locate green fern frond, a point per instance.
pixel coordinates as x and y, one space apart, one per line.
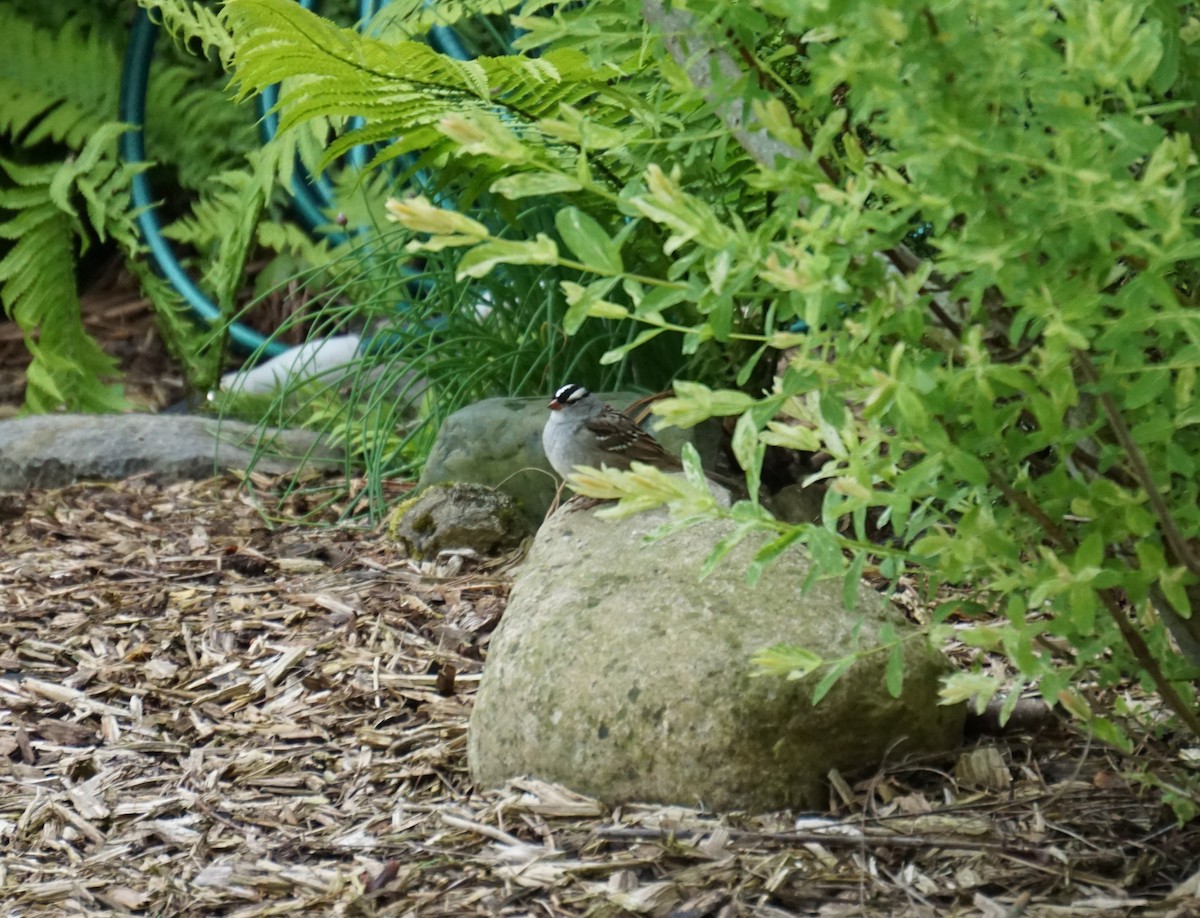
190 344
63 85
103 15
226 271
37 290
306 146
402 90
414 18
289 238
185 118
192 121
101 180
193 24
205 224
59 86
222 227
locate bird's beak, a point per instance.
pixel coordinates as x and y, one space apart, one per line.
555 405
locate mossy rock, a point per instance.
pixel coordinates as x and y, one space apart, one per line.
459 516
620 673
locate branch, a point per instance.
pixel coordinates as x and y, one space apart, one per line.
1186 629
702 60
1141 469
1110 598
848 836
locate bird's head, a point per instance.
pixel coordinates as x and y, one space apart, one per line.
570 394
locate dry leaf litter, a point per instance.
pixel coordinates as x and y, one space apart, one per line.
203 714
206 713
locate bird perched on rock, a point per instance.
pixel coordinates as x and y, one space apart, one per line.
583 430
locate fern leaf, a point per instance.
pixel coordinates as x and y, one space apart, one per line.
185 116
401 89
58 85
37 275
290 239
405 19
68 100
193 24
37 290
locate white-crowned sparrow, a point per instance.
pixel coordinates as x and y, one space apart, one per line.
583 430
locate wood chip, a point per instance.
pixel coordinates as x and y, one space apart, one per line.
257 732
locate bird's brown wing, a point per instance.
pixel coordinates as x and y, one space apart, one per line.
617 434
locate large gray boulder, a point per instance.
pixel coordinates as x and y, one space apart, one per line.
619 673
53 450
498 442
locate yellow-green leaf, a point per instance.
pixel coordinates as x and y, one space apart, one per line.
531 184
479 261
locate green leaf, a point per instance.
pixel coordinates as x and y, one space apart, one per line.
785 660
1075 704
689 216
1090 553
748 451
481 133
852 581
1011 701
726 545
968 467
791 436
1167 70
770 551
587 239
986 637
836 670
961 686
695 402
585 302
1173 582
1108 731
826 552
479 261
618 353
1147 387
781 341
532 184
1150 558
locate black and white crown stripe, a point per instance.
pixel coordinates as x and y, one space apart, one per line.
570 394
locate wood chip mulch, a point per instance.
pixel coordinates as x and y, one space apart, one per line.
207 711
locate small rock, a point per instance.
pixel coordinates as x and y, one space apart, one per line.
797 503
459 517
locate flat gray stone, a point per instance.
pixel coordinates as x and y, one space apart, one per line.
498 442
53 450
620 673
